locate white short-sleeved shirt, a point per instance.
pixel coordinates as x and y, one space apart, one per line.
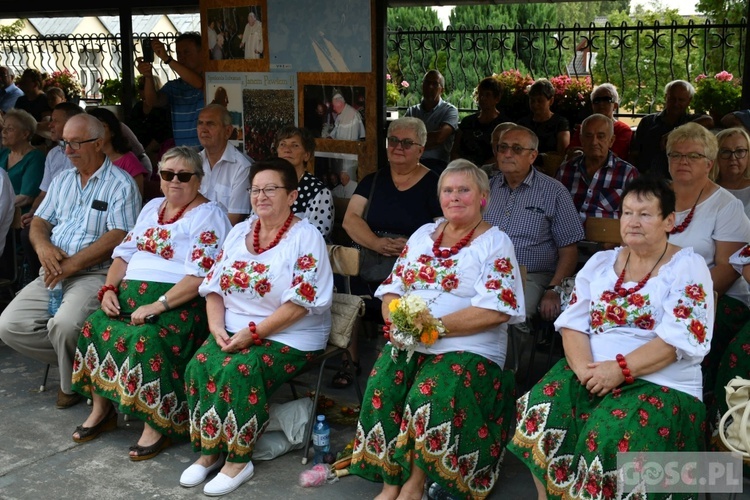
676 305
228 181
744 196
81 215
166 253
720 217
484 274
254 286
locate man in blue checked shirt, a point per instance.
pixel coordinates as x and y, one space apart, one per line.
537 213
88 210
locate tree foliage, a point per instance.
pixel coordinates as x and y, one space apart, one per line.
719 10
12 29
640 63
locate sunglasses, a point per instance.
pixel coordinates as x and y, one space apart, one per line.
168 175
599 100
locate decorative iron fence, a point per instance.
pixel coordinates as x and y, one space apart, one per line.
638 59
90 58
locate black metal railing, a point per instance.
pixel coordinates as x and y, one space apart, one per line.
638 59
91 58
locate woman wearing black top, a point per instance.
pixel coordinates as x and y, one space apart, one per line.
552 129
403 199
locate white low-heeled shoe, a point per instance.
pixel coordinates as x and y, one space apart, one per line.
223 484
196 473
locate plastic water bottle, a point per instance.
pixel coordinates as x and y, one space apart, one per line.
55 298
321 439
435 492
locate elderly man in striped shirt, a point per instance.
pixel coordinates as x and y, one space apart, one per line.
88 210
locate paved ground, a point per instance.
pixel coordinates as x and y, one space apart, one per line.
39 460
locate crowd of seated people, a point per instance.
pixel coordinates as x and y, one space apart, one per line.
190 309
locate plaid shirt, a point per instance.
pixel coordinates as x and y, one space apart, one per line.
538 216
601 195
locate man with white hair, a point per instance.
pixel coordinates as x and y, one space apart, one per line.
606 101
597 178
87 211
9 93
347 186
348 125
648 148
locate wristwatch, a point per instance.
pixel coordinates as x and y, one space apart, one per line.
163 300
168 60
556 288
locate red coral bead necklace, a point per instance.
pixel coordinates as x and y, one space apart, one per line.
684 224
176 217
256 235
624 292
455 248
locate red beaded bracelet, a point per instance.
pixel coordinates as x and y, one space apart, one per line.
625 370
387 330
254 333
104 289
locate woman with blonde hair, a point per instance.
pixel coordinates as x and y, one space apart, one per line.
730 170
23 162
713 222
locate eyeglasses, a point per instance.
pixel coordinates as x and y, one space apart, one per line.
604 98
690 157
406 144
515 148
269 191
726 154
76 145
168 175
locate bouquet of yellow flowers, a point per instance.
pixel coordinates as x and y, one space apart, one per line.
412 323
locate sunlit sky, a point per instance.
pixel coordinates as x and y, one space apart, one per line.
684 7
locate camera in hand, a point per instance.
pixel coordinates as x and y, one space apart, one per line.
148 51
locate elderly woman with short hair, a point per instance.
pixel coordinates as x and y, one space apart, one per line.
314 201
444 412
713 222
23 162
389 205
132 353
634 334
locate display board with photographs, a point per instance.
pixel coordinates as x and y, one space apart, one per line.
260 103
236 35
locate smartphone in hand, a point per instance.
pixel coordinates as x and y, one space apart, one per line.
148 51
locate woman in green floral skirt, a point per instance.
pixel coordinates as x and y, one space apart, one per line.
443 413
269 312
132 353
638 326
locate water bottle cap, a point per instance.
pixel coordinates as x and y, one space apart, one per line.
321 418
